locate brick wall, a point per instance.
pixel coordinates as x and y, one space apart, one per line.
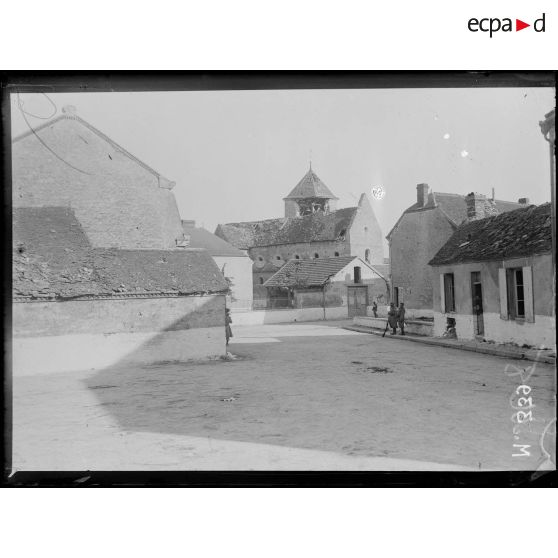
119 203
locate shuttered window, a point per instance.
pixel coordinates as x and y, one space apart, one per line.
516 294
503 288
449 292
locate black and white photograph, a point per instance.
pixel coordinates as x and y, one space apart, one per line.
283 278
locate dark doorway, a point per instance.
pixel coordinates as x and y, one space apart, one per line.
476 295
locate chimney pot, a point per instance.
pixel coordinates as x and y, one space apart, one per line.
422 194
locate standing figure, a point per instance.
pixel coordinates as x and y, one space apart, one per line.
228 322
401 318
392 318
375 309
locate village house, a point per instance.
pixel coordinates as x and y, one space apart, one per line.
312 228
342 286
420 232
102 273
494 279
76 306
234 264
119 200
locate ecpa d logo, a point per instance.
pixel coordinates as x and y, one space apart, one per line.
494 24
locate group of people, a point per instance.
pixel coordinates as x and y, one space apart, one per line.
396 317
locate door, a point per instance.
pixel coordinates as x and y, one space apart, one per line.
357 298
476 296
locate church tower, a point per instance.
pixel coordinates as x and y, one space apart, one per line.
309 196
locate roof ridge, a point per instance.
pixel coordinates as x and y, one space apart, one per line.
97 132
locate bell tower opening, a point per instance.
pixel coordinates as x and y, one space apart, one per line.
309 196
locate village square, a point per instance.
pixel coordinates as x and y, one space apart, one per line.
316 339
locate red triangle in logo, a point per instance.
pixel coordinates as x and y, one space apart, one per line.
519 25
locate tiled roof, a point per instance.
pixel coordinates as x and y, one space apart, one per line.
310 186
215 246
317 227
53 257
454 207
309 273
514 234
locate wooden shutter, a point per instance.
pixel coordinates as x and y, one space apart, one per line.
528 294
442 294
502 283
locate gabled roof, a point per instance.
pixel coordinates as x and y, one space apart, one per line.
317 227
514 234
215 246
73 117
453 206
310 186
53 257
310 273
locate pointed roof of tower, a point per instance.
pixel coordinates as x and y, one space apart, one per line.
310 187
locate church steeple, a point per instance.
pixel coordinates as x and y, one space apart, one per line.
308 196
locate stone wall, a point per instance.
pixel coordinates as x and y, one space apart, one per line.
414 242
86 334
118 202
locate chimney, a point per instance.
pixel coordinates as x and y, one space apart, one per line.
475 206
523 201
69 110
422 194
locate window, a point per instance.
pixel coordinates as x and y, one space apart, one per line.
260 259
449 292
261 280
277 257
336 254
357 275
297 257
516 293
316 255
367 255
396 295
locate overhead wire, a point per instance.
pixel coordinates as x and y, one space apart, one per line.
24 114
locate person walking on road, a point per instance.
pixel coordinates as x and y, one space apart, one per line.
392 318
375 309
401 318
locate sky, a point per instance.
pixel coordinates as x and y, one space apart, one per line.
235 155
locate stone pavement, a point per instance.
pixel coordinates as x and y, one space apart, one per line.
297 397
505 351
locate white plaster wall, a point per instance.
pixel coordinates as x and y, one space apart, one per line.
259 317
464 325
66 353
239 270
541 333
